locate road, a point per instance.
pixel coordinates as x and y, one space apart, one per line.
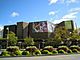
57 57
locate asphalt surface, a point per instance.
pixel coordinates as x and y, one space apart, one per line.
57 57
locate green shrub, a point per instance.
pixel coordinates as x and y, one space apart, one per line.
5 53
37 52
12 54
49 48
50 53
69 51
25 53
62 52
18 53
65 48
12 48
31 48
75 51
46 52
55 52
75 47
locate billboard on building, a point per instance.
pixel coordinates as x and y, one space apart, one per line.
51 27
39 26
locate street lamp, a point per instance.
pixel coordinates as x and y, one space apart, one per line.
7 32
43 41
20 43
7 35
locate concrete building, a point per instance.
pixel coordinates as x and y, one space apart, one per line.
41 29
22 30
1 33
69 25
8 28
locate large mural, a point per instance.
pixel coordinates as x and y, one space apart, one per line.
40 27
51 27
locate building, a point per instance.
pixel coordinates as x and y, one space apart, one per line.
69 25
22 30
41 29
1 33
8 28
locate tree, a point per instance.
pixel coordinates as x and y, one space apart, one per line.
12 38
61 33
29 41
74 35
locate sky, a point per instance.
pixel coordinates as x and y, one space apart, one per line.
56 11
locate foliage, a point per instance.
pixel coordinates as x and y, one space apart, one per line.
55 52
37 52
12 48
75 51
65 48
46 52
50 53
69 51
31 48
49 41
62 52
5 53
75 47
2 38
74 35
25 53
49 48
29 41
12 38
60 33
12 54
18 53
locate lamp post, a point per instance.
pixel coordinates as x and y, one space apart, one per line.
7 35
20 43
43 41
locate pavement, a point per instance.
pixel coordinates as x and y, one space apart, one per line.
56 57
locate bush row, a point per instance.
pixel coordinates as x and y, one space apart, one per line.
32 50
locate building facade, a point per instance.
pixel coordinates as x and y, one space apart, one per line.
9 28
41 29
22 30
69 25
1 33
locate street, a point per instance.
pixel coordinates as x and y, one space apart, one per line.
57 57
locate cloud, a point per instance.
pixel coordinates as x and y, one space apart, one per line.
67 2
1 27
75 10
70 16
71 1
58 21
72 13
52 13
52 1
15 14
